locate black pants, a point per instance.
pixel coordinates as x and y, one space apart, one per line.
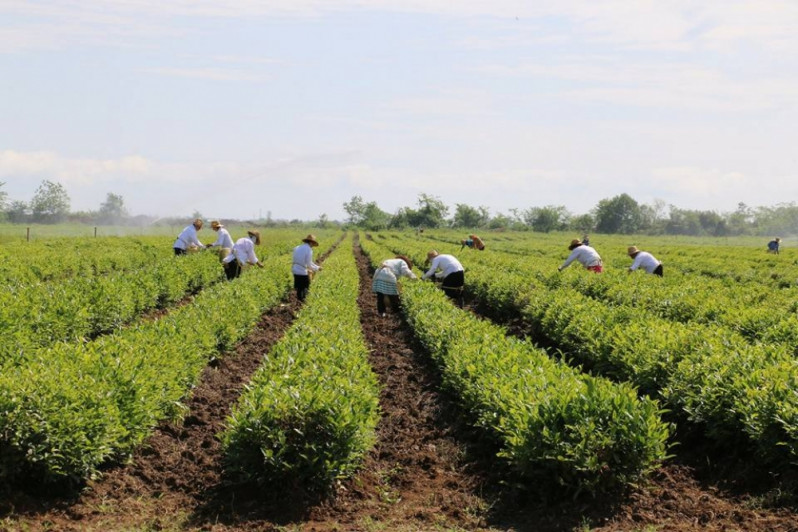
658 270
232 269
453 286
179 251
302 285
394 299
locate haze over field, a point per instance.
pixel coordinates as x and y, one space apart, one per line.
242 109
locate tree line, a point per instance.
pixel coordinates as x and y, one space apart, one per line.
621 214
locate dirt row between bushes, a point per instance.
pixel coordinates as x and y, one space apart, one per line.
428 471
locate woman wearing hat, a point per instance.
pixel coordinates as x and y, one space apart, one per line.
187 239
242 255
385 285
302 266
645 260
452 273
587 256
224 240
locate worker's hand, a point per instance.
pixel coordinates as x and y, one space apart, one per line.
260 265
559 268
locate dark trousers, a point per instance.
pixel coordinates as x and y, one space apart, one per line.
658 270
232 269
394 299
453 286
302 285
179 251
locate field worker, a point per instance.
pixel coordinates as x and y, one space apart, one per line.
242 255
585 239
452 273
223 241
773 245
645 260
303 266
472 242
586 255
385 285
187 239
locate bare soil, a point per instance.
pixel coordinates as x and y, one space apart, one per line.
428 471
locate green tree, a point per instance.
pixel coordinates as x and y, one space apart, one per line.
50 203
583 223
356 209
620 214
467 216
432 211
18 212
112 210
366 215
547 219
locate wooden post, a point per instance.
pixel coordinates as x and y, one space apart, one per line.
95 231
27 236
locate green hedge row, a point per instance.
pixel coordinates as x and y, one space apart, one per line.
310 412
550 421
71 407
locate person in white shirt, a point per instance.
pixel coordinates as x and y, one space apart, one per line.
242 255
223 241
587 256
385 285
303 266
452 273
188 239
645 260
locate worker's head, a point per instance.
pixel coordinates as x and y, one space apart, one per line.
575 243
407 261
632 251
215 225
197 224
310 240
254 236
778 239
431 255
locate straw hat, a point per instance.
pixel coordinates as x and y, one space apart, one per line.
432 254
310 239
256 234
215 224
197 223
575 243
632 251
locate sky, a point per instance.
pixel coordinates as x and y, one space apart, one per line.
289 108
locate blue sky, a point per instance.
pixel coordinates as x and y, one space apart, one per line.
291 107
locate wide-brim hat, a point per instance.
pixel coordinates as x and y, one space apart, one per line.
432 254
311 239
215 224
256 234
632 250
575 243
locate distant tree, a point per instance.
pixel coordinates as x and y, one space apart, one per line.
583 223
782 219
467 216
366 215
50 203
502 221
432 211
196 214
620 214
112 210
356 209
3 197
653 217
18 212
547 219
741 221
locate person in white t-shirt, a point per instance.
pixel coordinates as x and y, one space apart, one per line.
385 284
645 260
450 271
242 255
187 239
224 241
585 255
302 266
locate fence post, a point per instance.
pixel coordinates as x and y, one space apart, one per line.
95 231
27 234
